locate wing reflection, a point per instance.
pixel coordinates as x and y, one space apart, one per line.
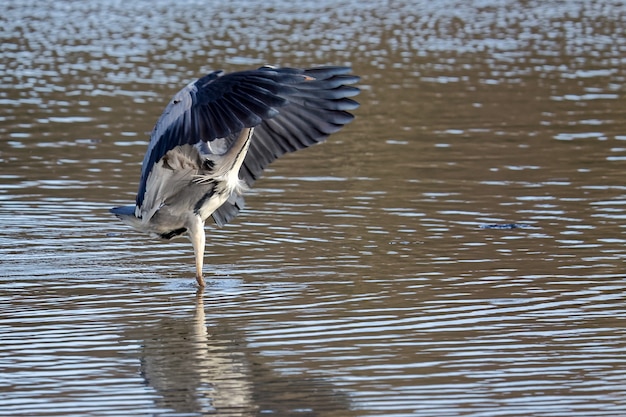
207 368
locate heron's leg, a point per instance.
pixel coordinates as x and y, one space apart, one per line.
198 240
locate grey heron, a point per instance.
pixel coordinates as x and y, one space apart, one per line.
216 136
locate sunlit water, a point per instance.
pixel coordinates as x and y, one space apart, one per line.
371 275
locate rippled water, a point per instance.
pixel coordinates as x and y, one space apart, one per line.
371 275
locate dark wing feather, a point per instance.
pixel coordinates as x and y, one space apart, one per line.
315 109
229 210
216 106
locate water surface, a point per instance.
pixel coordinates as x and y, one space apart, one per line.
372 275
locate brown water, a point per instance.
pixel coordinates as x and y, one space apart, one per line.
361 279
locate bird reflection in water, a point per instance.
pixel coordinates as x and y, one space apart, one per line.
195 371
207 368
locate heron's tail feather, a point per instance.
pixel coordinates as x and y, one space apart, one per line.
127 215
123 211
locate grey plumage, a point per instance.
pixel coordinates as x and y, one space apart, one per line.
216 136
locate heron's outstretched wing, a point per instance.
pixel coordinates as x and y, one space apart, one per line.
314 109
217 106
290 108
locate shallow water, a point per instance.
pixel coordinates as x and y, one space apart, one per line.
370 275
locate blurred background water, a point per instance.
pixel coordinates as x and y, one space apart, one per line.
370 275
